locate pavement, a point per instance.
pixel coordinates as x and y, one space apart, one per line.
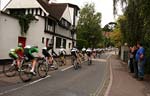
122 83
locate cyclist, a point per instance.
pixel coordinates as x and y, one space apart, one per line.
74 52
94 53
47 54
89 52
62 52
83 52
16 53
28 51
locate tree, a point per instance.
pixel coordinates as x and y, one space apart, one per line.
89 27
136 25
115 36
108 28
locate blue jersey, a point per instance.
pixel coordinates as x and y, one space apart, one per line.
139 52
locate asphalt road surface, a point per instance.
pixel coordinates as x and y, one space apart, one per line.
87 81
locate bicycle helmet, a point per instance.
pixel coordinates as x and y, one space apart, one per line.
20 45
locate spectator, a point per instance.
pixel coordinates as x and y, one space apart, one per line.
140 58
131 60
135 62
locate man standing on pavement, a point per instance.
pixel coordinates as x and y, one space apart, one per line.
140 58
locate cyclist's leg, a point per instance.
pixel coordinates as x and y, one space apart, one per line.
33 59
50 60
63 59
14 56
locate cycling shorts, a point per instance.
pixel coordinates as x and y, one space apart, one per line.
74 53
27 54
89 53
45 53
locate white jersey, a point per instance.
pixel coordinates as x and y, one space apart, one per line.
88 50
83 49
74 50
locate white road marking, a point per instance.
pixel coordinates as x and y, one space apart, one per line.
14 89
110 83
102 84
67 68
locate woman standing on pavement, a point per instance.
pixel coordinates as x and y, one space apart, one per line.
131 60
135 62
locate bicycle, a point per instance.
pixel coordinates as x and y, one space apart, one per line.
89 61
41 69
12 68
54 65
75 61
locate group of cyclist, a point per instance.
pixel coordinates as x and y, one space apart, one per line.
28 52
19 52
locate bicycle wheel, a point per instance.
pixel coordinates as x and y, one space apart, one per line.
63 60
74 63
24 72
42 70
55 64
10 70
89 61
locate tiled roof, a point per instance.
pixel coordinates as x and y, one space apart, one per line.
55 10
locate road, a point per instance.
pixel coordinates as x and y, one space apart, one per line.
87 81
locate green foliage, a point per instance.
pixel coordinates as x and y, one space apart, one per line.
82 43
89 28
24 21
116 37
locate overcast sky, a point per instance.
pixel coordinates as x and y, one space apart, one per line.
103 6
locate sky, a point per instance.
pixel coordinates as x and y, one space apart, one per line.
103 6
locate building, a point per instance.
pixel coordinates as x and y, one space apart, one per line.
55 23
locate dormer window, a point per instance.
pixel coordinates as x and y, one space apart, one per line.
64 23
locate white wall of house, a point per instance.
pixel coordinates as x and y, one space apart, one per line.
62 31
36 33
67 14
71 10
9 32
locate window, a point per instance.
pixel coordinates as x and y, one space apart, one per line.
64 43
64 23
43 40
49 25
58 42
47 41
76 12
69 45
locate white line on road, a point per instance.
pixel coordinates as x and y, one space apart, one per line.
67 68
110 83
102 84
108 56
14 89
39 80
